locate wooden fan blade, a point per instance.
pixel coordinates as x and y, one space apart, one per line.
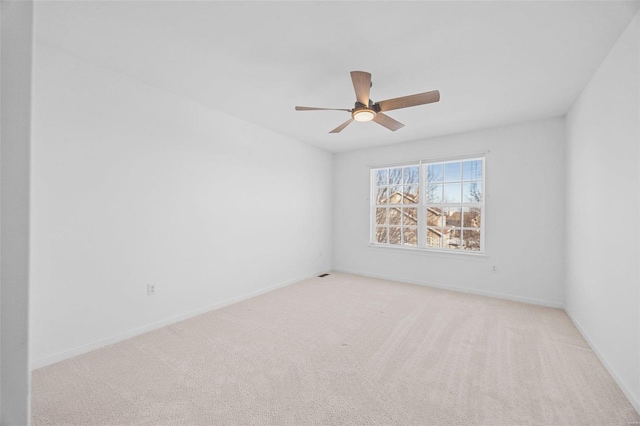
342 126
409 101
388 122
362 85
301 108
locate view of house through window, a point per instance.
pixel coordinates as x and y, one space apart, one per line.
432 205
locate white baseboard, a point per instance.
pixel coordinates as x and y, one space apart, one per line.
497 295
79 350
625 389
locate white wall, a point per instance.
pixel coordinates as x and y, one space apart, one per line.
603 210
524 215
15 132
133 185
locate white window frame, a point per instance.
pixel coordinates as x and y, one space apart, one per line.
423 205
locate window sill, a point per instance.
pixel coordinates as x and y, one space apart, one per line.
445 253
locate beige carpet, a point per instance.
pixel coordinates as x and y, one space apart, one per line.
343 350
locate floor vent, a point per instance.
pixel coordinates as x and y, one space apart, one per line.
322 275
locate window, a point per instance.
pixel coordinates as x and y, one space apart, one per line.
435 205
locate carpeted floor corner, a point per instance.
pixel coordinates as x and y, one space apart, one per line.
342 349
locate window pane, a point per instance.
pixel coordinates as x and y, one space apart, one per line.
381 216
471 240
434 238
394 235
452 239
435 216
411 174
471 217
452 172
395 195
472 170
434 173
450 210
395 176
434 193
410 236
472 192
395 216
452 193
381 198
410 216
453 216
381 235
411 195
382 176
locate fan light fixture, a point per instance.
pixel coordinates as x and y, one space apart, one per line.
367 110
364 114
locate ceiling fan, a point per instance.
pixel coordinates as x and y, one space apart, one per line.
367 110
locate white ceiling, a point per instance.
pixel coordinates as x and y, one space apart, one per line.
494 63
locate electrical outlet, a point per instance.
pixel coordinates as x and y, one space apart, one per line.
151 289
495 268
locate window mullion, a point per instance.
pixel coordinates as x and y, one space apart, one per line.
422 212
